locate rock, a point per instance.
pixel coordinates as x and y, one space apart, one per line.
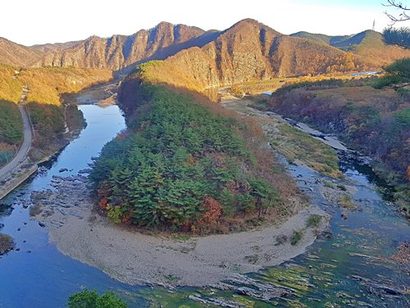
6 244
244 285
42 225
63 170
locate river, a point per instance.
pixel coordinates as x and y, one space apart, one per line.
352 268
38 275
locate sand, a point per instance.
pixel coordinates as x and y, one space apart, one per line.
137 258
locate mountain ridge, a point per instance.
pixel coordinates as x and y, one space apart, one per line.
246 51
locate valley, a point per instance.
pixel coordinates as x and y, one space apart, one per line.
296 284
178 167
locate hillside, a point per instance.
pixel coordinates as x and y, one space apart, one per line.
249 51
120 51
17 55
327 39
47 84
368 45
245 52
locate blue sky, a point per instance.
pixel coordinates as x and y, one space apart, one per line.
29 22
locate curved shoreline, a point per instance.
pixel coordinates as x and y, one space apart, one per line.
136 258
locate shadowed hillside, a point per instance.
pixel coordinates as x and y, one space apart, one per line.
120 51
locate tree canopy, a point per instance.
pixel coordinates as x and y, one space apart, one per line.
179 164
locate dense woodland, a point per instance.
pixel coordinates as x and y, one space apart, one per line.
185 167
11 130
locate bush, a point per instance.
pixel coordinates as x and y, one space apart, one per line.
397 72
90 299
314 220
296 237
403 117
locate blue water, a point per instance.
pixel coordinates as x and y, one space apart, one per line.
38 275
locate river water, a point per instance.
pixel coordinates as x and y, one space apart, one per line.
38 275
352 268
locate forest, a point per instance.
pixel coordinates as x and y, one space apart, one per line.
184 167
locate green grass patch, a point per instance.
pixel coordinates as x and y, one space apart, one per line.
297 145
346 202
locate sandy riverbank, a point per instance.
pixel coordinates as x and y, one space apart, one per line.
137 258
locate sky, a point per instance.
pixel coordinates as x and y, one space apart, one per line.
31 22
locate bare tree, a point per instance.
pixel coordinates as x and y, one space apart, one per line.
403 7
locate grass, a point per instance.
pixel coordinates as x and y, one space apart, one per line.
345 201
297 145
258 87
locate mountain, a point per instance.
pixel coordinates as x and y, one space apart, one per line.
369 45
327 39
120 51
17 55
248 52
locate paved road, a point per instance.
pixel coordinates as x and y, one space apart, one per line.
24 149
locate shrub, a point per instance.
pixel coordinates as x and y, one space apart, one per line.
403 117
397 72
90 299
314 220
281 239
114 213
296 237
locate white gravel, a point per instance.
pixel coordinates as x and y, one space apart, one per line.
136 258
